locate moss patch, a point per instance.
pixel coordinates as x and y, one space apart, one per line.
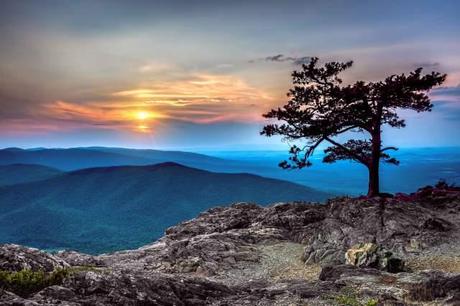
349 297
27 282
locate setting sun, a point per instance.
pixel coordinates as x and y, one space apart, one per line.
143 115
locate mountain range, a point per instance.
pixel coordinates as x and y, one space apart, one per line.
88 157
103 209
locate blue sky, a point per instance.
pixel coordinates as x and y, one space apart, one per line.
199 74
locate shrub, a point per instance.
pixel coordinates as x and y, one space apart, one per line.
372 302
26 281
347 300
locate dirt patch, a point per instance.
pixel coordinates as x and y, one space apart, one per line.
284 261
281 261
449 263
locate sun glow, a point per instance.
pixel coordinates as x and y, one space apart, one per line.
143 128
143 115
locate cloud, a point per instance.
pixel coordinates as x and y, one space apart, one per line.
279 58
446 94
197 99
26 126
202 98
446 101
156 67
224 66
427 65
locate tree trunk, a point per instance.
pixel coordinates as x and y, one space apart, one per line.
374 164
374 181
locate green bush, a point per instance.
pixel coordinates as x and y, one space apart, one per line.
372 302
347 300
26 282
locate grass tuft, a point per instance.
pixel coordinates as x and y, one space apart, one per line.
350 298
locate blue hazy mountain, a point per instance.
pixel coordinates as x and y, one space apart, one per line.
103 209
24 173
418 167
80 158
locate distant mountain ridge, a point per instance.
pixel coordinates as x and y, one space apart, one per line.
80 158
118 207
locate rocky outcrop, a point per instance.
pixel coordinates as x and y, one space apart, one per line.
15 258
397 225
251 255
397 289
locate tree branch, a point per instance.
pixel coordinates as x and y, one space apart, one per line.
314 146
351 153
347 129
389 148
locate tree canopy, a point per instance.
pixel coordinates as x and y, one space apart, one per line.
320 108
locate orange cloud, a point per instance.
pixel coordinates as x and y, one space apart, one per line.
201 99
202 88
27 126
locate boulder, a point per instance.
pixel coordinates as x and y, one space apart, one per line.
363 255
371 255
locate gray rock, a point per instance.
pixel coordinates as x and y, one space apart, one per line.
79 259
398 226
403 288
15 258
371 255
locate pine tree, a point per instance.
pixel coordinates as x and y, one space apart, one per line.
320 108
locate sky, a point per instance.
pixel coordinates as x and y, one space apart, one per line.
199 74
